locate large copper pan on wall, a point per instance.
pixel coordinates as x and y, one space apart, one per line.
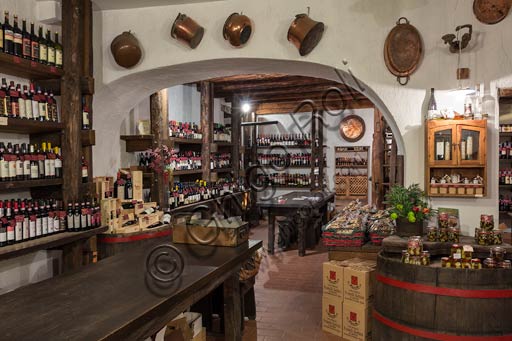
126 50
403 50
305 33
186 30
237 29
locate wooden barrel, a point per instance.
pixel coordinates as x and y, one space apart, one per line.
112 244
433 303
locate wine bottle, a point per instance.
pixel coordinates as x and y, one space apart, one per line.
43 48
10 223
85 171
34 99
58 51
17 38
51 48
34 42
58 163
27 46
34 164
3 224
13 94
8 35
70 214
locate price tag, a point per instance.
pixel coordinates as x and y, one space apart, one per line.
3 121
16 60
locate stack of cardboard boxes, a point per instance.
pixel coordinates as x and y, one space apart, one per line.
347 298
125 215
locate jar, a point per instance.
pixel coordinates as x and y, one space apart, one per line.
506 264
457 263
453 234
497 238
414 246
467 253
477 231
425 258
476 264
466 264
487 222
443 220
415 260
489 263
443 234
445 262
405 257
483 237
456 251
432 233
498 253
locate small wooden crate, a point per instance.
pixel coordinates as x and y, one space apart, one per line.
434 189
461 190
452 190
210 232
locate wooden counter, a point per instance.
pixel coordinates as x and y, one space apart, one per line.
115 299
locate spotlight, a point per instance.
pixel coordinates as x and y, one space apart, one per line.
246 107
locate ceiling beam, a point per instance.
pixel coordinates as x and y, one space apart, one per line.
290 107
247 94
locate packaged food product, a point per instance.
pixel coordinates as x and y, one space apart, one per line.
425 258
405 257
487 222
497 238
506 264
453 234
445 262
432 234
414 246
483 237
443 234
498 253
456 251
489 263
476 264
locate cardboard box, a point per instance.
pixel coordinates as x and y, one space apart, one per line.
357 322
333 279
201 336
332 315
358 284
219 232
137 185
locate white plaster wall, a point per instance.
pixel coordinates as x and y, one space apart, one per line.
355 32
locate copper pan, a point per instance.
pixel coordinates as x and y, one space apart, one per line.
186 30
126 50
237 29
305 33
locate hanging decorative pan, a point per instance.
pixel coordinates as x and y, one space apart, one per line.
403 50
491 11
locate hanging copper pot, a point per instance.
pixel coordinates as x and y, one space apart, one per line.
126 50
305 33
237 29
186 30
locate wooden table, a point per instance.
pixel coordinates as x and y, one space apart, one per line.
297 202
116 299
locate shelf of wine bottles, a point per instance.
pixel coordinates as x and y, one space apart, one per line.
220 161
27 103
20 163
221 133
186 193
289 160
287 140
185 130
27 219
283 180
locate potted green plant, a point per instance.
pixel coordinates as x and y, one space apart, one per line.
408 206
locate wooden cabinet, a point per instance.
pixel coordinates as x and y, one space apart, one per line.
456 158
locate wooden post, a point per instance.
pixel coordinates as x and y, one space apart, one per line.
71 98
232 309
320 151
206 126
158 108
377 159
314 149
236 128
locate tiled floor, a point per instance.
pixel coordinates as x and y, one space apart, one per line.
288 296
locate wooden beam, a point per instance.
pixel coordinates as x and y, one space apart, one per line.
298 98
86 85
236 129
158 109
265 85
71 99
262 93
505 92
247 77
290 107
378 159
206 126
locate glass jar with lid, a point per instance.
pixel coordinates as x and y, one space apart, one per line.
456 251
425 258
405 257
445 262
483 237
476 264
453 234
432 233
443 234
498 253
414 246
489 263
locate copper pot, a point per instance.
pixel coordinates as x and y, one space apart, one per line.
186 30
126 50
305 33
237 29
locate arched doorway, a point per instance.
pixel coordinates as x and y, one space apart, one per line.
114 100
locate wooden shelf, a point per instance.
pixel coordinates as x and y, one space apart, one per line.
47 242
137 143
505 186
187 172
281 168
25 184
88 137
457 166
178 140
223 144
356 166
286 186
22 126
506 134
222 170
457 195
24 68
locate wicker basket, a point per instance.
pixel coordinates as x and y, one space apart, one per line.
251 267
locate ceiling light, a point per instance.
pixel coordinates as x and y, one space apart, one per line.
246 107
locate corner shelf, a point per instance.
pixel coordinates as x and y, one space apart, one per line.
23 126
26 184
48 242
24 68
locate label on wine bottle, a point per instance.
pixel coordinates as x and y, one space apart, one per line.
39 226
18 229
51 55
4 169
3 233
43 53
58 57
44 222
85 173
8 35
21 108
10 231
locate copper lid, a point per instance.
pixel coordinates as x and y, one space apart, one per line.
305 33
